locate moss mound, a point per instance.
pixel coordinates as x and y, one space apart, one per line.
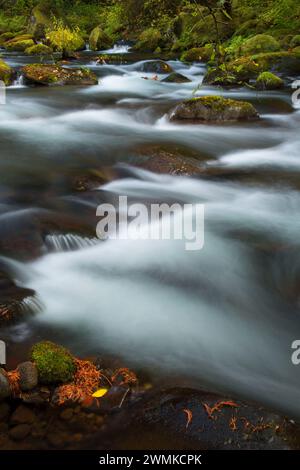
149 40
268 81
39 49
260 43
43 74
214 108
295 42
197 54
19 46
6 73
283 61
54 363
99 40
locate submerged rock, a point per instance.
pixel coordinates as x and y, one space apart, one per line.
169 161
54 363
41 74
99 40
176 78
268 81
156 66
214 108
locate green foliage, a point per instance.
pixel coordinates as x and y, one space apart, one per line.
62 38
149 40
55 364
295 42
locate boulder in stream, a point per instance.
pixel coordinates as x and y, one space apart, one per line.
214 109
42 74
6 73
268 81
156 66
176 78
99 40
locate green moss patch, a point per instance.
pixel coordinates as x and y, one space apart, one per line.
55 364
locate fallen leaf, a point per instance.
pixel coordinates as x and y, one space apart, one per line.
189 417
100 393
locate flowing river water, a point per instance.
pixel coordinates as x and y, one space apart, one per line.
223 317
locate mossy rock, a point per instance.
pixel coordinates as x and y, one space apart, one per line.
156 66
197 54
176 78
218 77
99 40
47 75
39 49
297 50
260 43
40 19
295 42
6 73
54 363
149 40
19 46
20 37
6 37
283 62
244 68
268 81
214 109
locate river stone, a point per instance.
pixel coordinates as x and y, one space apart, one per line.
176 78
20 432
22 415
4 386
28 375
44 74
214 108
156 66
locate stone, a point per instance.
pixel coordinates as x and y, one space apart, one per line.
156 66
47 75
28 375
176 78
4 411
4 386
23 415
214 108
20 432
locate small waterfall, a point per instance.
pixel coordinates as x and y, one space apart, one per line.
19 81
68 242
118 49
87 46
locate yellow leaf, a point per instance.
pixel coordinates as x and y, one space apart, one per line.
100 393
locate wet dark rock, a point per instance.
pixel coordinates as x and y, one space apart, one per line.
4 386
4 411
176 78
28 375
47 75
156 66
184 418
23 415
20 432
165 162
214 108
67 414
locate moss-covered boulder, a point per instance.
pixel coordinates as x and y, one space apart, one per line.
6 37
19 46
295 41
245 68
260 43
268 81
283 61
214 108
41 18
197 54
175 78
6 73
39 49
217 76
149 40
99 40
156 66
43 74
54 363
